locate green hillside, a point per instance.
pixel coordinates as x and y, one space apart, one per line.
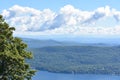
77 59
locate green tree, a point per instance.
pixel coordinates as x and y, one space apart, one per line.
13 54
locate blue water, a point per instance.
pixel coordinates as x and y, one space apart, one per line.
43 75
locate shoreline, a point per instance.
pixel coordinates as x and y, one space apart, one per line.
77 73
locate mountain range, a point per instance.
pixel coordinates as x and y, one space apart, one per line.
74 57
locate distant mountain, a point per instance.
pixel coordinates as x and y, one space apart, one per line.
74 57
77 59
112 40
36 43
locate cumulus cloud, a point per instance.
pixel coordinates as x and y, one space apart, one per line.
68 20
28 19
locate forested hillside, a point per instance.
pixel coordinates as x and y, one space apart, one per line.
77 59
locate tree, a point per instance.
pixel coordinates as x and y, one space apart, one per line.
13 54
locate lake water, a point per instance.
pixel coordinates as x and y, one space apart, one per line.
44 75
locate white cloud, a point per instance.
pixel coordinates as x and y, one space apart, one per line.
27 19
68 20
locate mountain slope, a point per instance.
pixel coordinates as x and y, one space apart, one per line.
77 59
36 43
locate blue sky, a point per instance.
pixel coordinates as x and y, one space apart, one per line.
62 17
57 4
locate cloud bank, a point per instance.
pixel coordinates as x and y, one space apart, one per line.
68 20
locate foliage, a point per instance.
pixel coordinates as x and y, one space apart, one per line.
77 59
12 55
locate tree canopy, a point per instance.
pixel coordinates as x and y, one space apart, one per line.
13 54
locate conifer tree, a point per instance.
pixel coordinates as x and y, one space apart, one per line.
12 55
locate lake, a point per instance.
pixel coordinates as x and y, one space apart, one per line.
44 75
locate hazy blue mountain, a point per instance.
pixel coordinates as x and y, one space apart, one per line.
34 43
111 40
37 43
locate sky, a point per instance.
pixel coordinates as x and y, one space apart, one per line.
57 4
62 17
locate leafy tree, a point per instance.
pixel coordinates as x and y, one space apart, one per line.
12 55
